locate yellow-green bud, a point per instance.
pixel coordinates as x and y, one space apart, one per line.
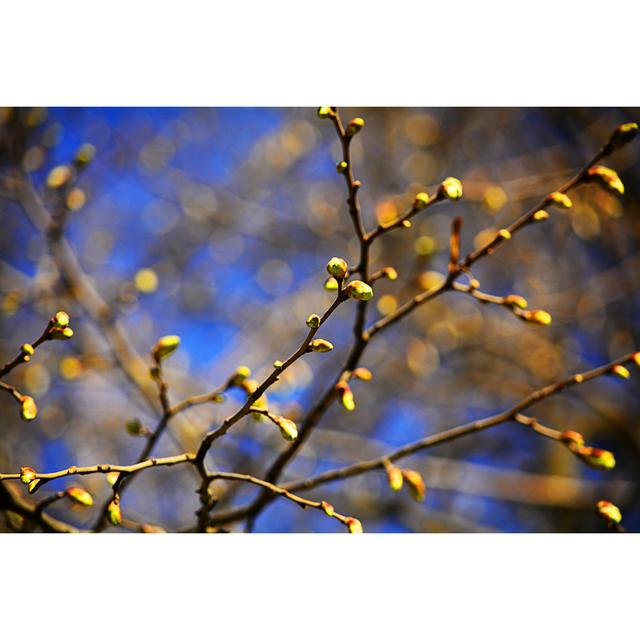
421 200
390 273
394 474
313 321
319 345
165 347
331 284
354 525
325 112
624 134
415 484
560 200
354 126
359 290
134 427
33 486
537 316
621 372
451 188
61 319
346 396
79 495
59 333
541 215
609 511
28 408
596 458
516 301
27 475
342 167
362 373
27 349
608 177
288 428
114 513
337 267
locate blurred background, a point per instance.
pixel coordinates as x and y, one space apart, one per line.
216 225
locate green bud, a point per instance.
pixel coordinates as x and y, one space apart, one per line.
609 511
451 188
27 475
134 427
354 126
114 513
288 428
331 284
359 290
320 346
79 495
337 267
28 408
59 333
165 347
421 200
325 112
313 321
342 167
623 135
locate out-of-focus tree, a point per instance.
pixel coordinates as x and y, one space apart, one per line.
189 247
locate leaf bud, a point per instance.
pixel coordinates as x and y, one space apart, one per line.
359 290
288 428
608 177
79 495
561 200
609 511
114 513
342 167
354 126
27 475
313 321
165 347
451 188
319 345
395 477
596 458
325 112
354 525
621 371
415 484
623 135
337 267
28 408
516 301
421 201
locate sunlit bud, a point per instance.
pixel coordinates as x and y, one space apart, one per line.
538 316
328 508
451 188
331 284
540 215
572 439
28 408
560 200
134 427
516 301
390 273
621 371
114 513
325 112
337 267
342 167
636 357
624 134
407 224
278 364
355 526
597 458
112 477
359 290
76 199
58 177
27 351
421 200
242 373
61 319
313 321
608 177
288 428
346 395
79 495
84 155
505 234
609 511
415 484
319 345
151 528
354 126
394 474
474 283
165 347
27 475
362 373
33 486
58 333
